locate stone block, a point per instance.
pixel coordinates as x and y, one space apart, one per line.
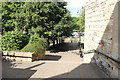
11 53
18 53
5 52
23 56
23 59
27 54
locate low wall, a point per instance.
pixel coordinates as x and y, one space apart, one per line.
22 56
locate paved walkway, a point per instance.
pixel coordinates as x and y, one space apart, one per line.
65 64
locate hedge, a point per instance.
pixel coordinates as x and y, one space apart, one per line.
35 45
14 40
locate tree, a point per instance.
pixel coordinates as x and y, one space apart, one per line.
50 20
64 27
75 23
81 21
8 14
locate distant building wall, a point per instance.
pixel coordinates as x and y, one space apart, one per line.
101 33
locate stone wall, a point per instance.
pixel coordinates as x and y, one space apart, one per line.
101 33
119 35
22 56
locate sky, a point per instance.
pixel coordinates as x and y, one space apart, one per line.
74 6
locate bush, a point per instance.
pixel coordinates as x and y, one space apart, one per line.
35 45
14 40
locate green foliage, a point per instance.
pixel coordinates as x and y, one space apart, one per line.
75 22
65 27
50 20
14 40
81 21
9 11
36 45
34 39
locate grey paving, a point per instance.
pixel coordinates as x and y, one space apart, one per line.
66 64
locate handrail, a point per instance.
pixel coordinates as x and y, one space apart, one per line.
108 57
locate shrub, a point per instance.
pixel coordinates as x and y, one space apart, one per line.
35 45
14 40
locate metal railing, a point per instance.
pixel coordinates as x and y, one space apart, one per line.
108 57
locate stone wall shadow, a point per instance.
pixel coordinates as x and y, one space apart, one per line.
10 72
82 72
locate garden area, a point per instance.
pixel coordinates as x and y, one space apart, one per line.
28 28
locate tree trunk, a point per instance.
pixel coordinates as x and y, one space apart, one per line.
57 41
53 42
48 41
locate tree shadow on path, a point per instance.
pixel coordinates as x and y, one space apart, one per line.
52 57
63 47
